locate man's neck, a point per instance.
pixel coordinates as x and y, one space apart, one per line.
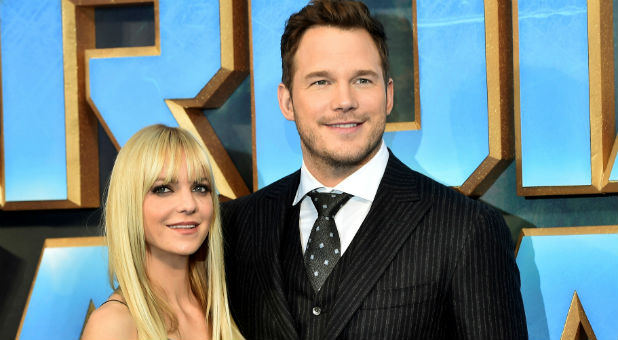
329 174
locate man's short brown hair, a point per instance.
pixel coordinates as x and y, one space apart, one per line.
336 13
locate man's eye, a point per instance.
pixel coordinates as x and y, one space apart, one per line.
363 81
201 188
161 189
320 82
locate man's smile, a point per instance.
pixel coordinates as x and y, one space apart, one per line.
344 125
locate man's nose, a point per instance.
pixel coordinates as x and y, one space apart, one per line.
344 98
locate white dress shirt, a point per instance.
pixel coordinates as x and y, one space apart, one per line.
362 184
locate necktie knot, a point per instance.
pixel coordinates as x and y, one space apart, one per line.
327 203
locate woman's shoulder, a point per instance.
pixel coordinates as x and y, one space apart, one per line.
112 320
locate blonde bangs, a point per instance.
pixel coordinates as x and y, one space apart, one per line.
176 147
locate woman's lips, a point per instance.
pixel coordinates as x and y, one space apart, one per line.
183 225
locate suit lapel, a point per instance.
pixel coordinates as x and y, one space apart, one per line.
272 213
394 214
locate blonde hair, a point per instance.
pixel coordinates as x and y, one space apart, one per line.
137 167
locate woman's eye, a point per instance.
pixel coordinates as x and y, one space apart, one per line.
201 188
161 189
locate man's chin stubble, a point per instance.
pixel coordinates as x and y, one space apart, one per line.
343 162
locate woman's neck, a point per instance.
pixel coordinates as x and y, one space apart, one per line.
170 274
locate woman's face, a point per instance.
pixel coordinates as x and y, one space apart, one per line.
177 215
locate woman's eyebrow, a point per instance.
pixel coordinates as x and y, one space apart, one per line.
163 180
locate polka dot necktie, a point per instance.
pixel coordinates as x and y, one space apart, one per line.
323 247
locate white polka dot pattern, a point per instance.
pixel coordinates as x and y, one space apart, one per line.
322 251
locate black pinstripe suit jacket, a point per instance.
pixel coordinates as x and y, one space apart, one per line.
426 263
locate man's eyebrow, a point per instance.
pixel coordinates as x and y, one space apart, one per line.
370 73
326 74
317 74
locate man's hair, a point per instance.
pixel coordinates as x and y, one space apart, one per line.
344 14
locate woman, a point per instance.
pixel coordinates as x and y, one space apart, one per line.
161 206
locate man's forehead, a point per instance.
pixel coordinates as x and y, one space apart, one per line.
323 30
321 49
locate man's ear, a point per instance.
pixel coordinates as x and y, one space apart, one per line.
285 102
390 94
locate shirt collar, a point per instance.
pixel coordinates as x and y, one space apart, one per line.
362 183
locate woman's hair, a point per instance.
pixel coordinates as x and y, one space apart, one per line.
138 165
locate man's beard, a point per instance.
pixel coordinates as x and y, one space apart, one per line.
340 159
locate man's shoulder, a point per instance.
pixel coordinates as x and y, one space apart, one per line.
275 190
243 211
442 196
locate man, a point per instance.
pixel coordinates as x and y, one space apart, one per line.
355 245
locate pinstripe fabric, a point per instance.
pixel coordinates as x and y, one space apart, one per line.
426 263
297 286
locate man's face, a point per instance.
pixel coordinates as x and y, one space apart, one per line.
339 99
